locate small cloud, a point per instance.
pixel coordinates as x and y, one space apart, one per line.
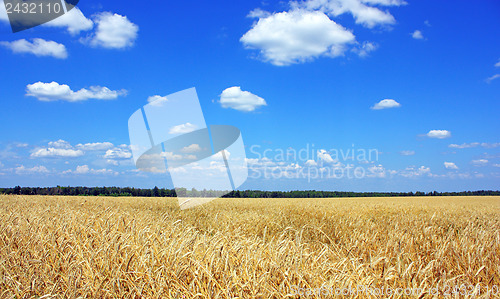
34 170
113 31
258 13
117 153
157 100
407 153
439 134
60 144
417 34
193 148
365 48
427 23
235 98
82 169
96 146
450 165
496 76
386 104
38 47
464 145
311 163
54 91
182 129
498 63
56 153
479 162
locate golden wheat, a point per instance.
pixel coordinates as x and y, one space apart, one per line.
98 247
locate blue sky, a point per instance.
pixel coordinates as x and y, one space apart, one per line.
418 81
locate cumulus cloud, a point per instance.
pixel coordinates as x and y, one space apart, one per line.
113 31
38 47
235 98
407 153
364 11
386 104
193 148
54 91
297 36
450 165
96 146
34 170
182 129
157 100
417 34
74 21
498 63
439 134
412 171
52 152
60 144
324 156
118 153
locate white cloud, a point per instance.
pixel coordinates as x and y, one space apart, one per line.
311 163
56 153
113 32
417 34
480 162
85 169
96 146
297 36
82 169
60 144
362 11
182 129
193 148
54 91
235 98
386 104
450 165
325 156
258 13
498 63
377 171
34 170
407 153
411 171
74 21
112 162
118 153
38 47
439 134
490 145
496 76
157 100
365 48
464 145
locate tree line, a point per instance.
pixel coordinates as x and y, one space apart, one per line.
159 192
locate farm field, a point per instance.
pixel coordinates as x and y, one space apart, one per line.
107 247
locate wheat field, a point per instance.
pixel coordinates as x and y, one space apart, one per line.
104 247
